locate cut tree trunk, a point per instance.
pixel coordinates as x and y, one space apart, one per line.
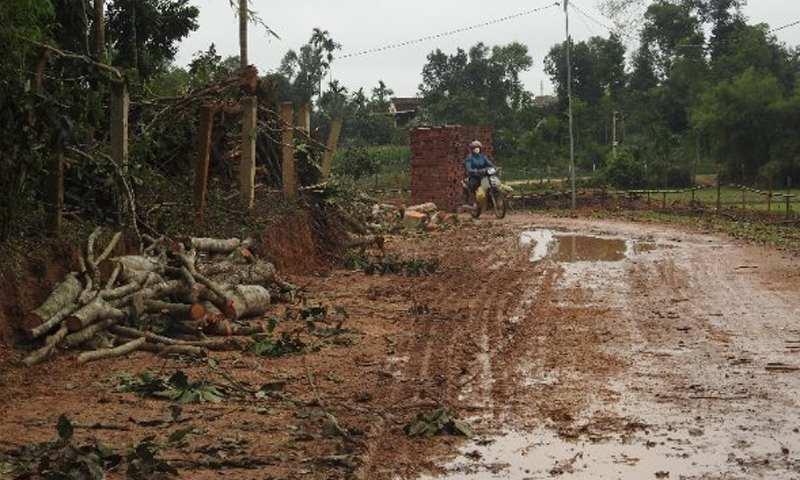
256 273
65 294
248 301
98 309
215 245
193 311
75 339
135 268
123 349
223 328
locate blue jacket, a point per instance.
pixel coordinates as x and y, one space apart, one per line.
474 162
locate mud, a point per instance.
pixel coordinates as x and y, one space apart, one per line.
648 353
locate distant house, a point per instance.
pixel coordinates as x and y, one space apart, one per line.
404 109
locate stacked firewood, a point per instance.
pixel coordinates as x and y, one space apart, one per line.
177 295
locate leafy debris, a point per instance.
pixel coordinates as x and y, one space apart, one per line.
390 263
436 422
286 344
61 459
175 387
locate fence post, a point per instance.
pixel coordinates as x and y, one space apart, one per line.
247 163
288 162
120 104
201 162
769 201
664 200
56 200
719 188
788 196
744 197
304 118
330 148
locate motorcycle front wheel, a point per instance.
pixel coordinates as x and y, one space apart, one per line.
499 204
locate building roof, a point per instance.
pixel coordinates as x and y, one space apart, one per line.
405 104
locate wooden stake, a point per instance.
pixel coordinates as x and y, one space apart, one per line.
330 149
287 138
201 162
247 167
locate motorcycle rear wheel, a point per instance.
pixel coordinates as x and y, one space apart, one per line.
476 210
499 204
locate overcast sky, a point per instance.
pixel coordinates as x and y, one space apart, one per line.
364 24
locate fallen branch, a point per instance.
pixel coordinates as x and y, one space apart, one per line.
123 349
48 349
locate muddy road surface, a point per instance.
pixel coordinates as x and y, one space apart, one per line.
574 348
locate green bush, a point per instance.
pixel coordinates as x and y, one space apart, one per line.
623 171
358 162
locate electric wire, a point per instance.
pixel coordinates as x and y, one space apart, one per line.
447 33
612 30
783 27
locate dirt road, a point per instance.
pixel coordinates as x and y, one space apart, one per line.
582 348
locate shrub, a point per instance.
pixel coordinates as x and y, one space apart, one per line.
623 171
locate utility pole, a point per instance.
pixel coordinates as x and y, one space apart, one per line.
569 97
614 134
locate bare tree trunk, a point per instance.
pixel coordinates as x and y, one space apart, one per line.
243 63
99 44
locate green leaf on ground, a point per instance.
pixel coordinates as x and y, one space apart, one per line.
436 422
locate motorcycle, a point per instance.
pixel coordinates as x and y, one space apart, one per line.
490 194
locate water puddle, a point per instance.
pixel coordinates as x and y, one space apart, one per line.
543 455
571 247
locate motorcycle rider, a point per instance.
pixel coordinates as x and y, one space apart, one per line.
475 166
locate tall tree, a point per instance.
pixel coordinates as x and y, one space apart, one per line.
306 69
144 34
481 86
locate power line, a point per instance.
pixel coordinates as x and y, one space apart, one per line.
583 13
448 33
613 30
785 26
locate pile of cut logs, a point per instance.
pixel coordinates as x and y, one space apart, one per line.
166 299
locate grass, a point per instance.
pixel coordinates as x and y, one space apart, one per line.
783 236
730 197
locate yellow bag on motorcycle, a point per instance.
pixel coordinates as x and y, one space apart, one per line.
480 196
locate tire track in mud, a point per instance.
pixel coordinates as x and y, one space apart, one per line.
462 341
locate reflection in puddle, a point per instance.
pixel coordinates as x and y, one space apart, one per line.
570 247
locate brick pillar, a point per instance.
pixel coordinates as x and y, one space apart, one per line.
437 162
